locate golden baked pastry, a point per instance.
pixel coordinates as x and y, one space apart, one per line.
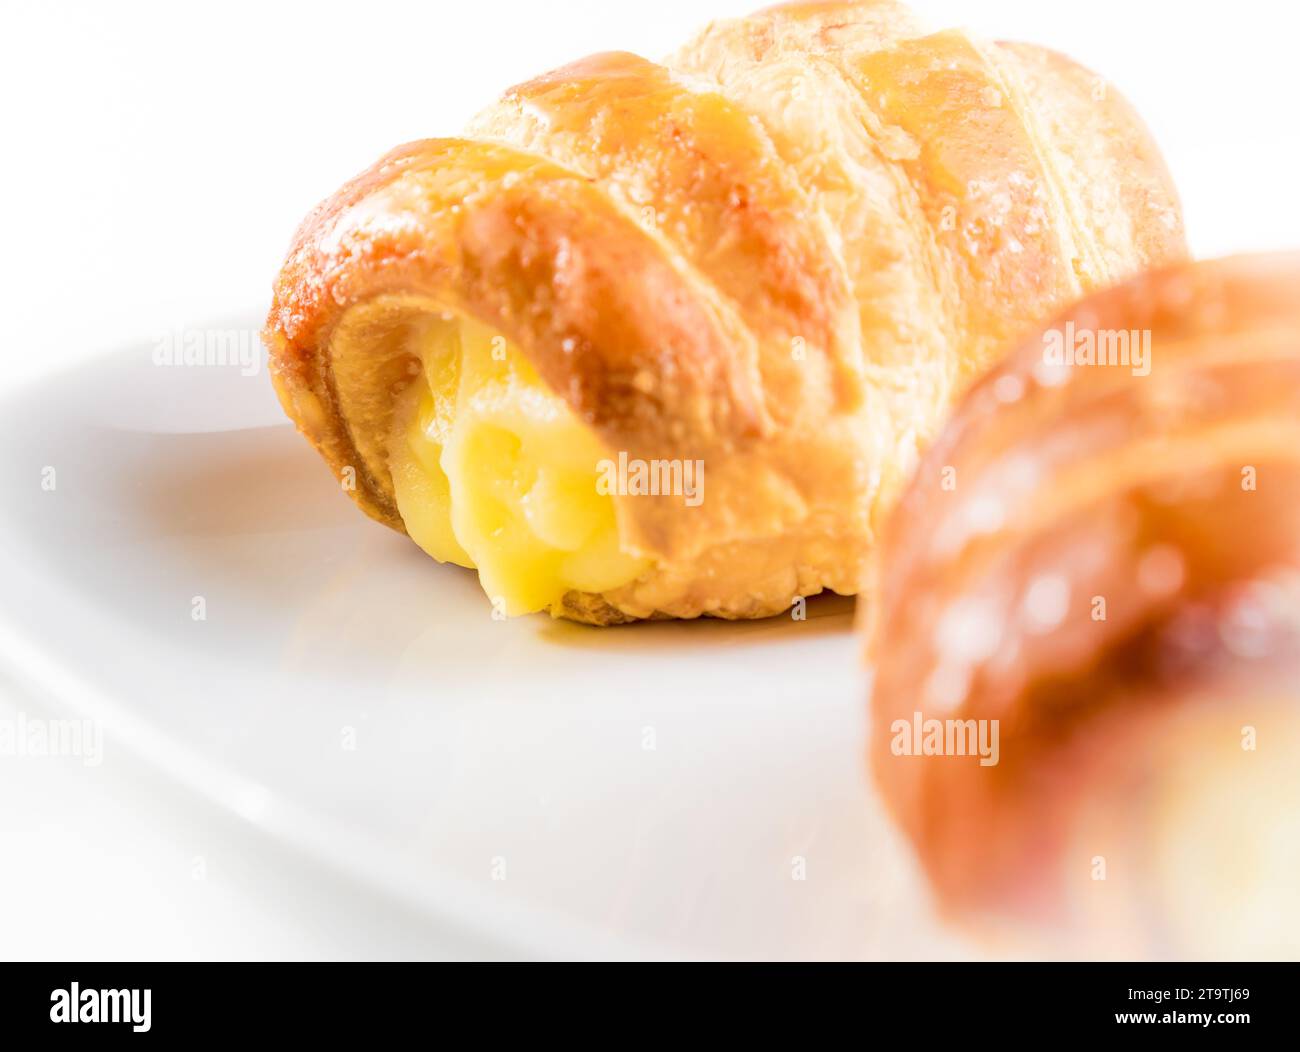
659 340
1102 554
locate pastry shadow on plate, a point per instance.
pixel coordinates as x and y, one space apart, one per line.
826 614
258 481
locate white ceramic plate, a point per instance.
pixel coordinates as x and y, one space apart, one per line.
546 787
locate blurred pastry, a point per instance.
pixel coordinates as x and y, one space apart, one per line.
1093 581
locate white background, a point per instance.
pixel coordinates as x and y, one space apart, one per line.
156 159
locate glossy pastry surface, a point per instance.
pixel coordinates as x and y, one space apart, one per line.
777 257
1102 554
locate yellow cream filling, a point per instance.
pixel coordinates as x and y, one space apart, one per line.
493 472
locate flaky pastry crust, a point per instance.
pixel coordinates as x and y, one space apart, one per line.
782 252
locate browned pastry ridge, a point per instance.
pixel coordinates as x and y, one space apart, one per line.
1105 559
780 254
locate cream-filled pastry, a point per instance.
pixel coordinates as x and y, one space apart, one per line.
493 472
756 275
